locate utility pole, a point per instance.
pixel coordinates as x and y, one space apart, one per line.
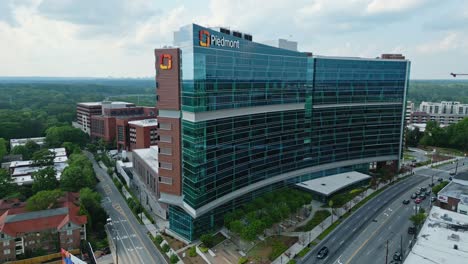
401 246
386 254
456 167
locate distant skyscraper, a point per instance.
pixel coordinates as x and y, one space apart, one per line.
241 118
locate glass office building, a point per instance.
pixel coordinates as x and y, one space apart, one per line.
255 117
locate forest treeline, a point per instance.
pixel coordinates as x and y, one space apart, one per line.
28 109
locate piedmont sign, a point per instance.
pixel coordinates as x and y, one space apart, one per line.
206 39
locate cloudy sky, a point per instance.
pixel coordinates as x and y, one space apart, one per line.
100 38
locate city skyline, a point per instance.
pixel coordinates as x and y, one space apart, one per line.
117 38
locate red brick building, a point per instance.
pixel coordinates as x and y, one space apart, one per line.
84 111
22 231
142 133
112 124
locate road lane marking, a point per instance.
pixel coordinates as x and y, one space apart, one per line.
390 209
367 240
133 244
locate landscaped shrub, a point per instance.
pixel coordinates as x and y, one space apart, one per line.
243 260
166 248
192 252
174 259
158 239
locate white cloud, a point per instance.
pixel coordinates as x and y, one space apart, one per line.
384 6
451 41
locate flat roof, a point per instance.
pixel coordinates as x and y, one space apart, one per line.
462 176
435 242
149 156
91 103
144 122
456 190
333 183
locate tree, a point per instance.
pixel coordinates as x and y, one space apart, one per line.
71 148
90 204
7 186
3 148
43 200
43 157
418 219
75 177
32 146
174 259
44 180
207 240
57 135
236 226
23 151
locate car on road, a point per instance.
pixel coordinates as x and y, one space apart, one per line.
109 221
428 192
440 179
423 189
431 184
322 253
422 197
405 201
417 201
433 199
397 256
452 173
411 230
414 196
450 178
418 192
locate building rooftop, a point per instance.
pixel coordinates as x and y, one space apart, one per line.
22 141
436 242
17 219
456 190
149 156
331 184
462 176
144 122
90 103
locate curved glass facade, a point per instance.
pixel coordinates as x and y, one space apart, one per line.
352 109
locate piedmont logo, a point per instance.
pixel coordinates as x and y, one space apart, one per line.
165 58
206 40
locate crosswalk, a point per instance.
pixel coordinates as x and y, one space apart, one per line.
107 189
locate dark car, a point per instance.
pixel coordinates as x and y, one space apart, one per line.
422 197
428 192
450 178
431 184
397 256
440 179
433 199
322 253
411 230
405 201
414 196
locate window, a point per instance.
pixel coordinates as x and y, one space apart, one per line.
6 252
165 165
165 180
165 151
463 212
165 126
69 232
166 139
6 243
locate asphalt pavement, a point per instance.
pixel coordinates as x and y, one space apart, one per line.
362 237
133 245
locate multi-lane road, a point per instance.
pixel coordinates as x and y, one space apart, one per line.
362 237
129 236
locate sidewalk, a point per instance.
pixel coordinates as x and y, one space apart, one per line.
306 238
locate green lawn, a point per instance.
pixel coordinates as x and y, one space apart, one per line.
318 218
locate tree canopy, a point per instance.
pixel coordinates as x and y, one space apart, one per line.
7 187
453 136
79 174
43 200
57 135
3 148
44 180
